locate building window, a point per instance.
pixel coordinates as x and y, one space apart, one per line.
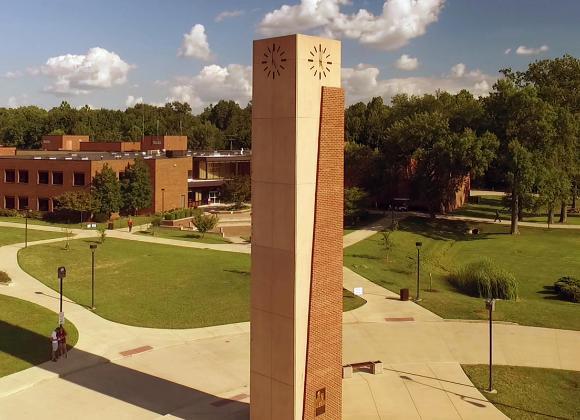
23 177
10 175
79 179
43 204
214 197
43 177
9 202
57 178
23 203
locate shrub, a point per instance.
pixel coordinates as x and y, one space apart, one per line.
9 213
100 217
4 278
205 222
102 233
485 279
568 288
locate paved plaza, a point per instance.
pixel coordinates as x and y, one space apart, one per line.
119 371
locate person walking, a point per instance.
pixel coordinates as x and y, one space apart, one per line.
497 217
54 345
130 224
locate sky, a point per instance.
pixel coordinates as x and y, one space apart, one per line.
115 53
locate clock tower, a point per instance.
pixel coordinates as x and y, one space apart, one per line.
297 212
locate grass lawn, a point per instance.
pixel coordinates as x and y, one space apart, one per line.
184 235
537 257
119 223
530 393
9 235
151 285
351 301
489 204
25 329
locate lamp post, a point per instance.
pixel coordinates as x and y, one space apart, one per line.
418 245
26 216
162 200
61 272
490 305
93 248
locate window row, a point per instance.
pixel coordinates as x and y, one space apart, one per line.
43 177
22 203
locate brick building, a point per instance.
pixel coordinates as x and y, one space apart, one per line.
211 170
31 179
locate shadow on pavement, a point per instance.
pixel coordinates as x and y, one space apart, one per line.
122 383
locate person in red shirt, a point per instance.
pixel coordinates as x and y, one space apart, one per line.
130 224
61 335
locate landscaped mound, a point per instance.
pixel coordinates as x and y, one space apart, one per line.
485 279
568 288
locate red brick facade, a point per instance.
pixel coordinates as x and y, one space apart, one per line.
324 351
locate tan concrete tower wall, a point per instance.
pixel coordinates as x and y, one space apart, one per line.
286 114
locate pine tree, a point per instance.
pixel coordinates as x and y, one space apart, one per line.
136 187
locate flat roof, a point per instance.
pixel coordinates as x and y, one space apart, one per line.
84 156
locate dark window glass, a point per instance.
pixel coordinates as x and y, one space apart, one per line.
9 175
10 203
57 178
23 203
43 204
79 179
42 177
23 177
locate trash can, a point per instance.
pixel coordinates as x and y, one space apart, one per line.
404 294
111 226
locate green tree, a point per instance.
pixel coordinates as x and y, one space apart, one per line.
355 200
136 187
107 191
81 202
238 190
205 222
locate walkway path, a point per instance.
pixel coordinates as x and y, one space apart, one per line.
122 371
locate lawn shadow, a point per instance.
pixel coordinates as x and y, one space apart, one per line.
550 293
235 271
140 389
450 230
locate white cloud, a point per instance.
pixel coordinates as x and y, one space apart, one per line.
458 70
399 22
12 74
523 50
132 101
212 84
195 44
507 51
80 74
227 14
363 82
407 63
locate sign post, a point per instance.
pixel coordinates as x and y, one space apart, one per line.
61 272
490 305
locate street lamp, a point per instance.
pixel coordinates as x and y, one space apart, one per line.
61 272
93 248
26 216
490 305
162 200
418 245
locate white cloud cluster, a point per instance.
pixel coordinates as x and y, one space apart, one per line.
12 74
212 84
132 101
407 63
81 74
228 14
362 83
523 50
195 45
399 22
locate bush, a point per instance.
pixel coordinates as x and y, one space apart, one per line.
4 278
568 288
9 213
100 217
205 222
485 279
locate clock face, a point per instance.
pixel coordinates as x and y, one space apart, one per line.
274 61
320 61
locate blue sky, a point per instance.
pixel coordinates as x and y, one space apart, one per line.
49 49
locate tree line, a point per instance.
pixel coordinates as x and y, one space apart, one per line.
523 138
219 126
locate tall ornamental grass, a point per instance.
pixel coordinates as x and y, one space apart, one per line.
485 279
